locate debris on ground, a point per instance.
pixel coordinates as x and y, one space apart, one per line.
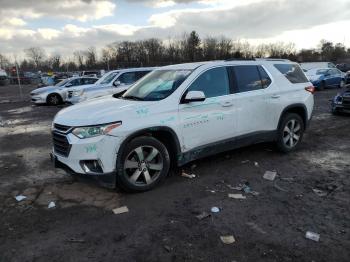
120 210
215 210
228 239
19 198
74 240
51 205
312 236
270 175
183 174
245 161
279 188
319 192
239 187
167 248
237 196
255 227
256 164
203 215
246 188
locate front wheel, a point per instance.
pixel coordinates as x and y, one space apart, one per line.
143 164
290 132
54 99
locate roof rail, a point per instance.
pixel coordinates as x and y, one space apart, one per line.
240 59
272 59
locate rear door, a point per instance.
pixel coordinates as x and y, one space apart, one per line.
250 99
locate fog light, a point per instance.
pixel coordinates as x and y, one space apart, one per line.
91 166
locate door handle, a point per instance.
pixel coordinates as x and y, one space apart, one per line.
275 96
227 103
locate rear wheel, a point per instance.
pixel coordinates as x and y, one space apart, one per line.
290 132
54 99
144 163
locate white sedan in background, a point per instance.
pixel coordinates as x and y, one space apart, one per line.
57 94
113 82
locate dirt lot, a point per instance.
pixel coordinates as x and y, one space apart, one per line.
161 225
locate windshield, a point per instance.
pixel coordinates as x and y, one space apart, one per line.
63 82
157 85
107 78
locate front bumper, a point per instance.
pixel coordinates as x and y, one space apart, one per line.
95 157
38 99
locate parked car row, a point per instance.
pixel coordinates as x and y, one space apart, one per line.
176 114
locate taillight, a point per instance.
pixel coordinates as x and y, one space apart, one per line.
310 89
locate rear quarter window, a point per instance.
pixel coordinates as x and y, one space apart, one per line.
292 72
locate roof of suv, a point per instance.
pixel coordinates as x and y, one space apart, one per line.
192 66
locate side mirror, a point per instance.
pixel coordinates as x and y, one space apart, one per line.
69 85
117 83
194 96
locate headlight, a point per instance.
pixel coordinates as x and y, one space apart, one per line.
92 131
78 93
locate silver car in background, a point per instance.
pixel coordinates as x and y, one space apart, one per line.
57 94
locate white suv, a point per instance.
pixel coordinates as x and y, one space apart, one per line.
180 113
113 82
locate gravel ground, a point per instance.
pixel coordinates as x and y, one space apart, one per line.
161 225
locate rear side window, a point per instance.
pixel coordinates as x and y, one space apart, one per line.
265 79
88 81
213 82
292 72
141 74
248 78
128 78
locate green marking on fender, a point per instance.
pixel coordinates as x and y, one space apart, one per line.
91 149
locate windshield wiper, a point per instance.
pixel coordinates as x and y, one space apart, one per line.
133 98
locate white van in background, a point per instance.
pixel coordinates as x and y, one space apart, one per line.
113 82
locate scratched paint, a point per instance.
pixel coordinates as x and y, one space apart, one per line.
91 149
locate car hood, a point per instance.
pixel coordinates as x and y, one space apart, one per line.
45 89
99 111
314 77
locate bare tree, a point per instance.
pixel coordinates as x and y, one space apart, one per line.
36 54
55 62
79 56
91 57
4 62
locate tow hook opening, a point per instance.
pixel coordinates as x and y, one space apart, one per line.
91 166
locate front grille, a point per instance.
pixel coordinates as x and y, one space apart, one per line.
61 128
70 94
60 144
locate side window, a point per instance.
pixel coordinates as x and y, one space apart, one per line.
75 82
141 74
213 82
265 79
88 81
247 78
128 78
292 72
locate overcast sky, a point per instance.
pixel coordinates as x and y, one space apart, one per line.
65 25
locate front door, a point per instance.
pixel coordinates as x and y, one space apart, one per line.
210 121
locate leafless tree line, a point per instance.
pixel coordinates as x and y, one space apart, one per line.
189 48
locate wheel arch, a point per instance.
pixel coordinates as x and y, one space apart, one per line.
54 93
299 109
166 135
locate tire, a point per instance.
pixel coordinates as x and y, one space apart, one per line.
54 100
287 130
143 164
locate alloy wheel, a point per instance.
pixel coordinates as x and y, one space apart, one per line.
143 165
292 133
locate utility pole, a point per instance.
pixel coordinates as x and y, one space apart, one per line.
18 79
